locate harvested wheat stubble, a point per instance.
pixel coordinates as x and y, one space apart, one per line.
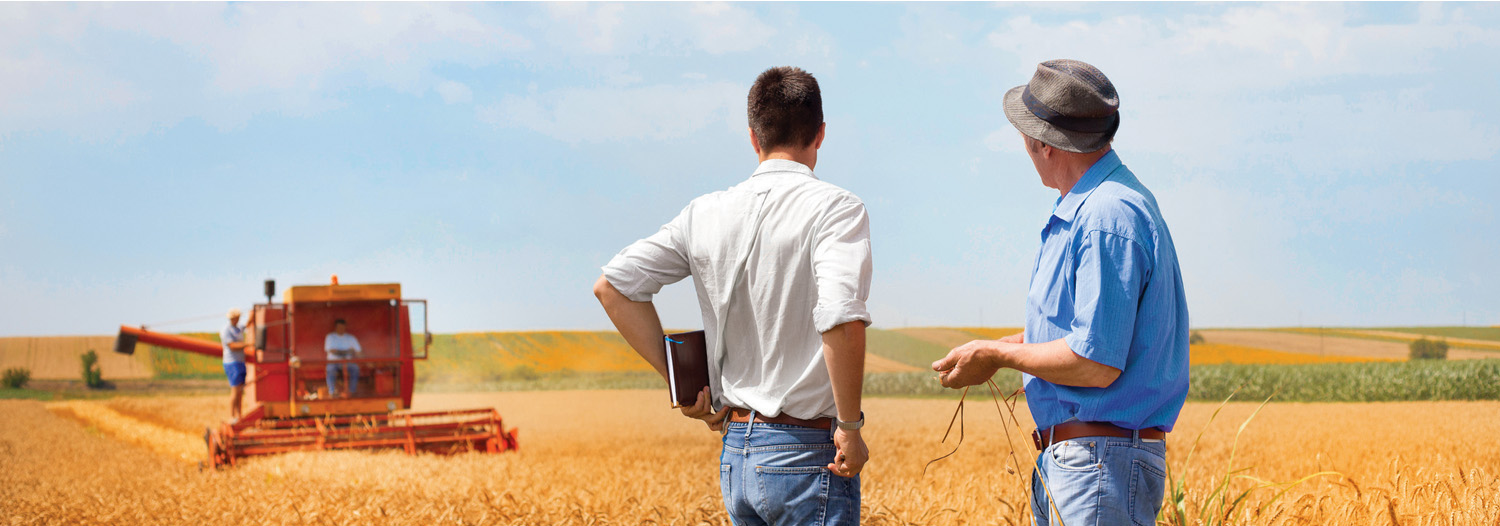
1327 345
623 457
875 363
57 357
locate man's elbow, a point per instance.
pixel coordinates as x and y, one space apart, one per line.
1102 376
849 335
604 290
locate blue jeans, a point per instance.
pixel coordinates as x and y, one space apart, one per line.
1097 481
350 369
777 474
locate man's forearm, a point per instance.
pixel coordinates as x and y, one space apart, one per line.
844 354
637 322
1054 362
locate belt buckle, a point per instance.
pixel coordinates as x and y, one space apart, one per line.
1036 439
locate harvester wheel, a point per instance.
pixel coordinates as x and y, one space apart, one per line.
218 454
510 441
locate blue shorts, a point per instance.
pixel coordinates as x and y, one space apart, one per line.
236 373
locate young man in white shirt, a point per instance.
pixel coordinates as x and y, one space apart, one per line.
337 346
785 386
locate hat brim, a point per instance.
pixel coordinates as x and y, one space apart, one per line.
1044 131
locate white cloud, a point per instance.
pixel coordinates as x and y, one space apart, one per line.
105 70
1211 89
611 29
654 112
1005 140
454 92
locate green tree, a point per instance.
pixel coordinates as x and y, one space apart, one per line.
16 377
1195 338
93 377
1425 349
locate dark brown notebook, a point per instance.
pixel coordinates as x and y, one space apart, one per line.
687 367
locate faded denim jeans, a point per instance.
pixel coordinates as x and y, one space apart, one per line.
332 373
1100 481
776 474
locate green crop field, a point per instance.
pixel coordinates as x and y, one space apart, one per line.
1350 382
168 364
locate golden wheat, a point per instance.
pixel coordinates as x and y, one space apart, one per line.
1213 353
56 357
621 457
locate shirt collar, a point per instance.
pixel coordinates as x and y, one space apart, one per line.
783 165
1067 206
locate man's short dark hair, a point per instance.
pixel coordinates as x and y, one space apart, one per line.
786 108
339 322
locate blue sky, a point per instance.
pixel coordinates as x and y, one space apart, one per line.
1326 164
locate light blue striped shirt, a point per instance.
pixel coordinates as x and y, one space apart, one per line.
232 334
1106 280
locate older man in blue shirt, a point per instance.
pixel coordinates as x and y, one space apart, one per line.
1105 352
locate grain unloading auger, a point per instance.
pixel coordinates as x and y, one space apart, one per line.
291 407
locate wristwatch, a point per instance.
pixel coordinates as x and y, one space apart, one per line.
850 425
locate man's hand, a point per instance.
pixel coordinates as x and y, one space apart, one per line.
1019 337
852 453
969 364
703 410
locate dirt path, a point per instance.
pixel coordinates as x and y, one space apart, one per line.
1327 345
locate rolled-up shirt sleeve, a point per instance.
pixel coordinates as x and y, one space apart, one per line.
842 265
1110 271
643 268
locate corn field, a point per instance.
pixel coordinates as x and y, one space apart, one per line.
621 457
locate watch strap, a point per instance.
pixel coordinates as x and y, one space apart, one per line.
850 425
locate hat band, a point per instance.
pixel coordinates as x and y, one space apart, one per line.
1076 124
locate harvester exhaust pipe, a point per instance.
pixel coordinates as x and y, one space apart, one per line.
270 289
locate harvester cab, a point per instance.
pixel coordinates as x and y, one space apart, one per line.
288 379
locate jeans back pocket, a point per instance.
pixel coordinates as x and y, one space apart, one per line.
1147 484
793 494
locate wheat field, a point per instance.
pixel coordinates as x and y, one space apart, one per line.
620 457
1214 353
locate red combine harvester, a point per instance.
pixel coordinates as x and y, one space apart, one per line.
292 409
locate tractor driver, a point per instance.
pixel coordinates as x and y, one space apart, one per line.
340 346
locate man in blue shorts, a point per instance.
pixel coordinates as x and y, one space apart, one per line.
233 340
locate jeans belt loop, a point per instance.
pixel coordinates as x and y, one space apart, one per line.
1051 433
749 426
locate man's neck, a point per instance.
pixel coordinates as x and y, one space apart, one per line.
1074 166
807 157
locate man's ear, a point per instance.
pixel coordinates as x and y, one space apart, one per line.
818 141
754 142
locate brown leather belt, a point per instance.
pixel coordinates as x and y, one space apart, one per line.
1076 429
743 415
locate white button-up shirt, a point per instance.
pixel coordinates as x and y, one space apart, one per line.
340 346
807 272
